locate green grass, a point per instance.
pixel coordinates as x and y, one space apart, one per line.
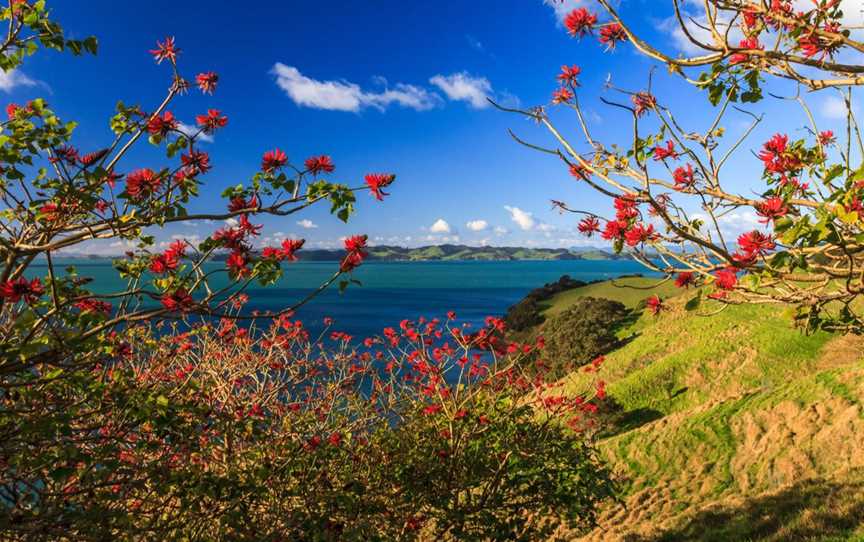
629 291
711 409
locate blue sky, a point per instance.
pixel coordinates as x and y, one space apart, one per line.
379 85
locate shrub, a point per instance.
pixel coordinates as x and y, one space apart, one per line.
526 313
582 332
416 433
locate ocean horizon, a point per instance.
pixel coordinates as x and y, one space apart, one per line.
392 291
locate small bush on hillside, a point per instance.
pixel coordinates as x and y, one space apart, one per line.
526 313
582 332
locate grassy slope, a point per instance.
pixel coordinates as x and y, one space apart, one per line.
629 291
733 426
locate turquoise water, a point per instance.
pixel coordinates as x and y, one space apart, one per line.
392 291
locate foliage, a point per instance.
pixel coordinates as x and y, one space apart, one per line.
583 332
272 434
527 312
668 185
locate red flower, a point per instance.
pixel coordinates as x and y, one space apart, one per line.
640 234
355 246
611 34
684 279
654 304
94 306
684 178
161 125
142 182
165 51
562 95
273 160
163 263
661 153
749 43
180 300
11 109
290 246
355 243
92 157
229 237
826 137
726 279
65 154
625 208
579 171
16 290
569 75
335 439
755 242
589 226
775 157
320 164
643 102
813 44
207 82
377 181
238 203
50 212
236 264
248 228
771 209
211 121
432 409
580 22
615 229
195 162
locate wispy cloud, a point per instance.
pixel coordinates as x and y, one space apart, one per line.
464 87
347 96
306 223
563 7
523 219
13 79
189 130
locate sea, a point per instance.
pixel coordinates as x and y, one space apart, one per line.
389 292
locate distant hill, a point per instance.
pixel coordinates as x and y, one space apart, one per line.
464 252
442 253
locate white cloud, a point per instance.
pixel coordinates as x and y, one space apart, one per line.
546 227
346 96
189 131
13 78
477 225
306 223
231 222
501 230
440 226
464 87
523 219
563 7
834 107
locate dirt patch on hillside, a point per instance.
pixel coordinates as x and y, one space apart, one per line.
758 448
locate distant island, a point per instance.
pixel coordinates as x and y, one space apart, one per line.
452 253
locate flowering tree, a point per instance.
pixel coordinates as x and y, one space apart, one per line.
133 414
428 428
63 345
668 183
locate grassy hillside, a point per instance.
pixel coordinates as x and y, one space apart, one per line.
730 427
628 290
